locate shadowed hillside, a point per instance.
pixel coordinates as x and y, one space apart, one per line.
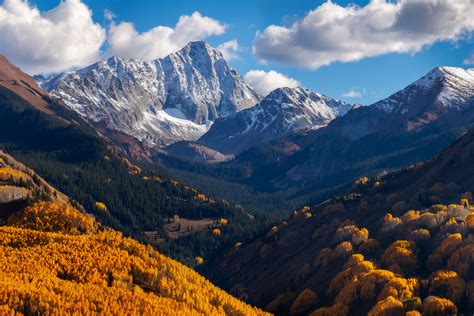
395 243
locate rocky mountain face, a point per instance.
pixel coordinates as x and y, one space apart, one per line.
440 96
283 111
192 151
158 102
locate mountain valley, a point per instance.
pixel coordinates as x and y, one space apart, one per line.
412 125
148 176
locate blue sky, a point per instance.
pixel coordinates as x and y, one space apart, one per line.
373 77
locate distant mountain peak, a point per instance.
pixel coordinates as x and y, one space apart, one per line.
450 87
279 94
289 92
202 57
303 97
446 73
199 46
282 112
114 60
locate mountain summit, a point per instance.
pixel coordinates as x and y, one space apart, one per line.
446 87
283 111
160 101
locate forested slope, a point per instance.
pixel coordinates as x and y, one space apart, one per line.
397 243
56 259
69 154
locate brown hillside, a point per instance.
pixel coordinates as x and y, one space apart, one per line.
12 78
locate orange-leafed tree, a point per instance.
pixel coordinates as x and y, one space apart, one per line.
444 250
54 217
387 307
447 284
436 306
401 255
304 302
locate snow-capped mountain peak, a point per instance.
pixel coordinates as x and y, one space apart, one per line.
457 84
317 108
137 96
447 75
200 49
451 87
282 111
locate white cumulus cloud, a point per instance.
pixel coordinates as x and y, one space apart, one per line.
352 94
229 49
264 82
332 33
125 41
62 38
469 60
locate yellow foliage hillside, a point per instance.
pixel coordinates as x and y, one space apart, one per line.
44 269
54 217
392 281
9 173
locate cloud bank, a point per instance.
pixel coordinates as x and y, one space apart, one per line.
352 94
229 49
265 82
125 41
56 40
333 33
66 37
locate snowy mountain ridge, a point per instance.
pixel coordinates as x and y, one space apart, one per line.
301 108
160 101
281 112
454 87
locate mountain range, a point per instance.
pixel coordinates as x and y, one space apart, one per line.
414 124
190 95
158 102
